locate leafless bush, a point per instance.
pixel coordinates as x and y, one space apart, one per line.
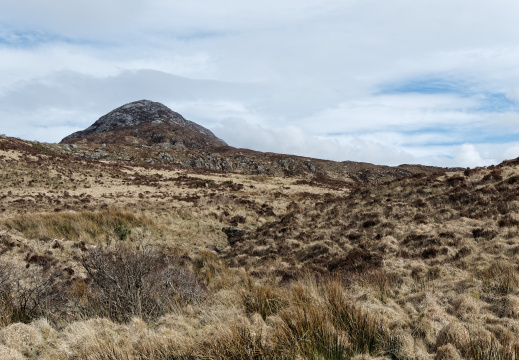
26 294
5 296
140 281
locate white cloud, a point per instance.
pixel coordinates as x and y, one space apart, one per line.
407 111
469 155
510 152
294 140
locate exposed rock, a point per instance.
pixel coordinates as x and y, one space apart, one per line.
164 145
179 145
98 154
165 156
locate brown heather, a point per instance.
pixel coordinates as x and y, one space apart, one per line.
119 260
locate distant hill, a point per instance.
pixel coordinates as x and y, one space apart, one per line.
148 132
146 122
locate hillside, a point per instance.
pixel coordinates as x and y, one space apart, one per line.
105 255
149 133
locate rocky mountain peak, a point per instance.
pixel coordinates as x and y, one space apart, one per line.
138 113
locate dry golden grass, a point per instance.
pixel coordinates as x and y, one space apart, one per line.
418 268
87 226
328 326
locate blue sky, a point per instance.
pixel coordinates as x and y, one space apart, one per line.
431 82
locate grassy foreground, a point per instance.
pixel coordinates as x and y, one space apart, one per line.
109 261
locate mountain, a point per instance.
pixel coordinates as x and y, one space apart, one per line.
146 122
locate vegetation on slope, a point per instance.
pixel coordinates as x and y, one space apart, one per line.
162 263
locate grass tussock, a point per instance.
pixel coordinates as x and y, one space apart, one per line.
322 324
367 332
264 299
501 278
78 225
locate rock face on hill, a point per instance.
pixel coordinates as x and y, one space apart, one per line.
148 123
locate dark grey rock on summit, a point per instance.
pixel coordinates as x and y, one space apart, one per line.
137 113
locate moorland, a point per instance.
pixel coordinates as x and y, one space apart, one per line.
105 254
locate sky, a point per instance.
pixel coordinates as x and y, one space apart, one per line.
433 82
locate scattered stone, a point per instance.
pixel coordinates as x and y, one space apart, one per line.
164 145
98 154
179 145
165 156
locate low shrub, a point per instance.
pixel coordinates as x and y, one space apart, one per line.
136 280
28 293
487 234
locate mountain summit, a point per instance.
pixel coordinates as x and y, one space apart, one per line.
148 122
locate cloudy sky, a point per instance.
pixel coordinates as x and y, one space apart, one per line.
389 82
